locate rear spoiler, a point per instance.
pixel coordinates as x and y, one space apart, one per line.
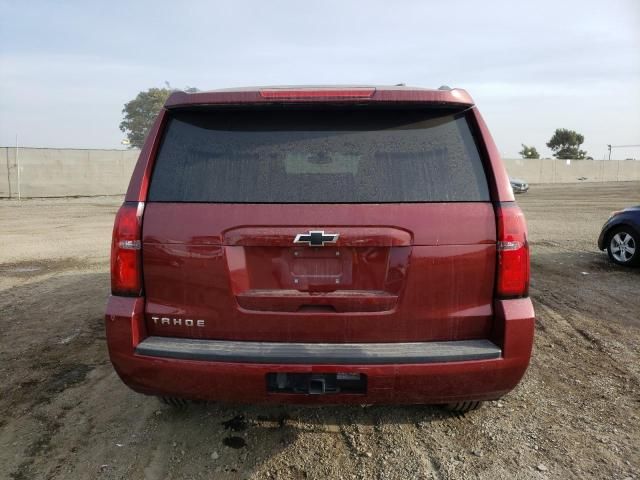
313 95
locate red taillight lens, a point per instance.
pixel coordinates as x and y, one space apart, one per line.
302 93
513 252
126 251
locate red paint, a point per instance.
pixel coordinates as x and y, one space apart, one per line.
498 178
398 272
139 184
402 384
410 251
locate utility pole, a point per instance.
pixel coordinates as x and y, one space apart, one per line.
609 145
18 166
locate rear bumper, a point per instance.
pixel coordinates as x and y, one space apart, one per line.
159 366
317 353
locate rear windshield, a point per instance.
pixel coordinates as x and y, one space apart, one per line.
322 156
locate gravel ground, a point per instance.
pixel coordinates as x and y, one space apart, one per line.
64 414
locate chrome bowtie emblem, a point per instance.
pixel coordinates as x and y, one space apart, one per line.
316 238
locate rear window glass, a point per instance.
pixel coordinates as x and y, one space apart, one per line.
322 156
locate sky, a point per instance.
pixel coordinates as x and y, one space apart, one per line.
68 67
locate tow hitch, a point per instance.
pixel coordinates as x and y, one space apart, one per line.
316 383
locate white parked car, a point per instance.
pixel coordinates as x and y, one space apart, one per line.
519 186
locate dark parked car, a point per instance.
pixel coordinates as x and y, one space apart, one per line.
519 186
620 236
320 245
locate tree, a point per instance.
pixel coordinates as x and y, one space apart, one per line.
140 113
565 144
528 152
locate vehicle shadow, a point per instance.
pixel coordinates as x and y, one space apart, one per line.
246 439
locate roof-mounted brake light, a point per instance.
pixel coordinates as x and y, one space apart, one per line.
309 93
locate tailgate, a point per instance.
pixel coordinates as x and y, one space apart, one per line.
415 276
329 224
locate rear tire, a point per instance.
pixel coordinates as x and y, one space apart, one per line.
623 244
461 407
175 402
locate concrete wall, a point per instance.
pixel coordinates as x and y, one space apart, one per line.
568 171
50 172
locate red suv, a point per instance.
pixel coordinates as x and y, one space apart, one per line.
320 245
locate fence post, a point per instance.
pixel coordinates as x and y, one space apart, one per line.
18 167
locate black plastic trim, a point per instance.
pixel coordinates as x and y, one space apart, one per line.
314 353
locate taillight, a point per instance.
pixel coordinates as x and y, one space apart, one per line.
308 93
513 252
126 251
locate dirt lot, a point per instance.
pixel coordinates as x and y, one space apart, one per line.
65 414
